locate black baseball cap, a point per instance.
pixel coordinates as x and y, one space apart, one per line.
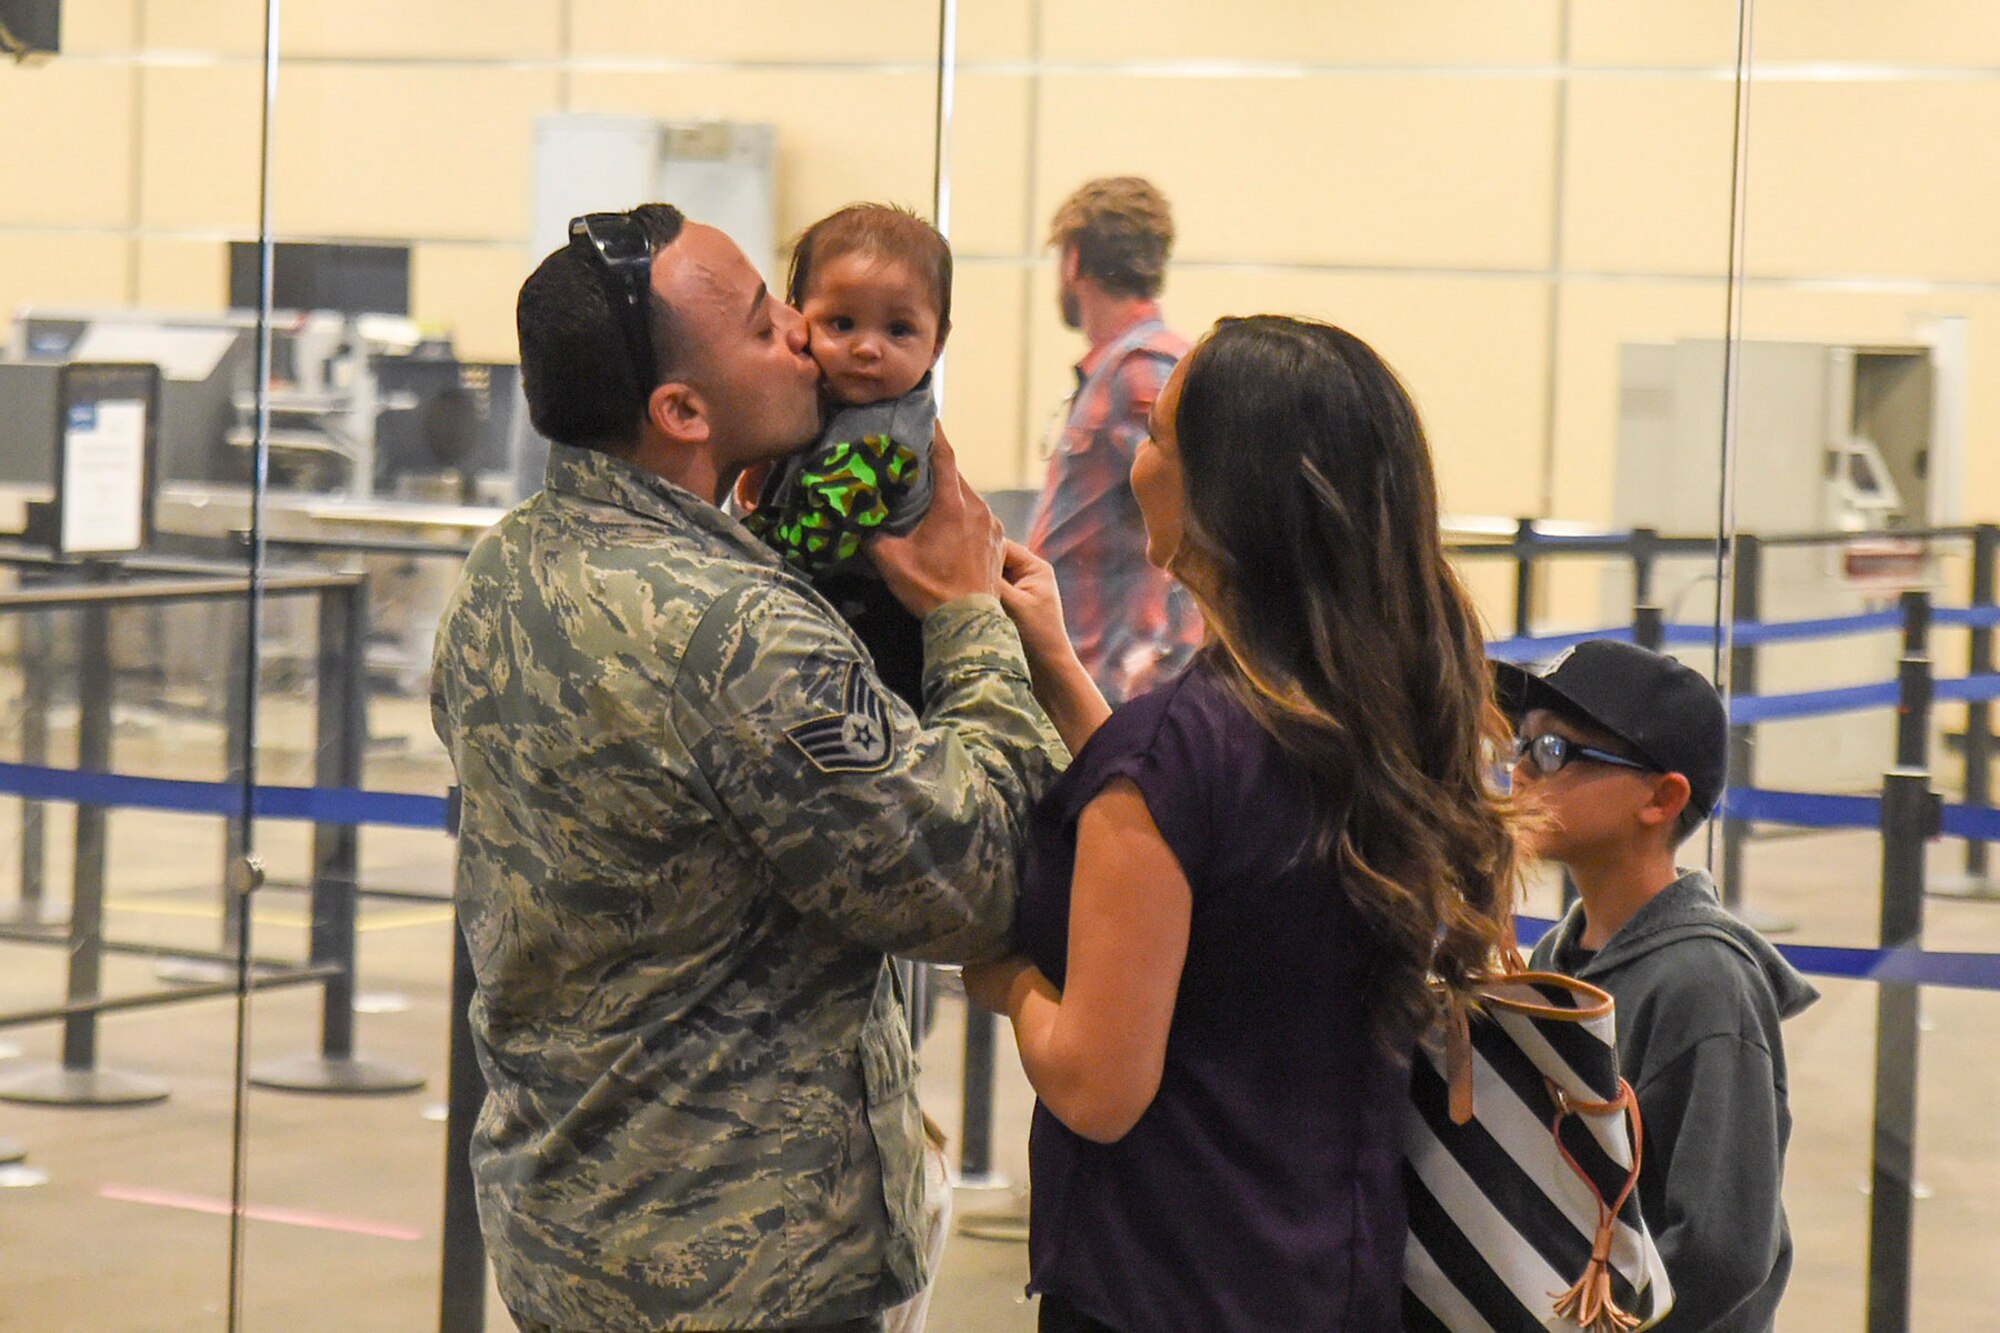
1668 714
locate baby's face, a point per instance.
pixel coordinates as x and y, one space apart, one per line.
873 325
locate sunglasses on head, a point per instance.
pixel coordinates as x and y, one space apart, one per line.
1549 754
623 255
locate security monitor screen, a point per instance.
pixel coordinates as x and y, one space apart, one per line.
353 279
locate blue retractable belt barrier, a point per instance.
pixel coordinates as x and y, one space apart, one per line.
1746 633
1676 635
343 805
1830 627
1970 617
1974 823
1801 809
1541 647
346 805
321 805
1967 689
1744 709
1921 967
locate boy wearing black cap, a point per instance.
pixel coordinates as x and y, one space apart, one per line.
1626 752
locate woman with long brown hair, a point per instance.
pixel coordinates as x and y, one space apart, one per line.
1235 900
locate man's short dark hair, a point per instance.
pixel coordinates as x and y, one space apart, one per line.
1122 230
575 370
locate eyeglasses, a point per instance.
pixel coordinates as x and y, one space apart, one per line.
623 254
1549 754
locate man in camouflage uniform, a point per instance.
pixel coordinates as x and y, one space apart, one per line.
694 825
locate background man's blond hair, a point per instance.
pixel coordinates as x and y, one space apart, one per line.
1122 230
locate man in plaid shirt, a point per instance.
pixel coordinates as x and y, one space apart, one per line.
1132 624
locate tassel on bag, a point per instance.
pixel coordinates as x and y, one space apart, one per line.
1589 1303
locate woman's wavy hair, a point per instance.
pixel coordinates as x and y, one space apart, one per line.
1311 538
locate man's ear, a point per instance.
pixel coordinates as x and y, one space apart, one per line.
1072 263
678 412
1671 793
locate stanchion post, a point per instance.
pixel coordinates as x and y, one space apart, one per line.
78 1081
1913 682
1649 628
1745 607
1979 712
86 913
462 1295
337 847
1910 818
1524 576
34 751
975 1140
1644 549
236 706
342 734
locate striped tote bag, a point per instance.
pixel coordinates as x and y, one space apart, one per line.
1524 1147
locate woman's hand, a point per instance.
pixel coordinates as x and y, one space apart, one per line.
954 552
1029 595
1062 687
991 985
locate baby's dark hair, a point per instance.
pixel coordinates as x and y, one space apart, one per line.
881 232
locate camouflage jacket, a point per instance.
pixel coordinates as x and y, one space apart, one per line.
693 827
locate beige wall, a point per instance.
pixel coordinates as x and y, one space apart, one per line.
1496 194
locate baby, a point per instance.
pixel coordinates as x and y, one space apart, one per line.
874 283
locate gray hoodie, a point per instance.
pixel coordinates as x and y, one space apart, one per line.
1700 996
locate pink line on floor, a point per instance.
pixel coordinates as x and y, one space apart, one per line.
291 1217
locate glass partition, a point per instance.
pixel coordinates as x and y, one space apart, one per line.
126 412
421 166
1864 474
1688 298
1527 210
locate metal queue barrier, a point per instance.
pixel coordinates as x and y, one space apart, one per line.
94 789
1908 814
369 546
1531 549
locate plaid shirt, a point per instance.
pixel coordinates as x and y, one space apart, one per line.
1132 624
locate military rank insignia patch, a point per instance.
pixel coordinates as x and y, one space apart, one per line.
856 740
